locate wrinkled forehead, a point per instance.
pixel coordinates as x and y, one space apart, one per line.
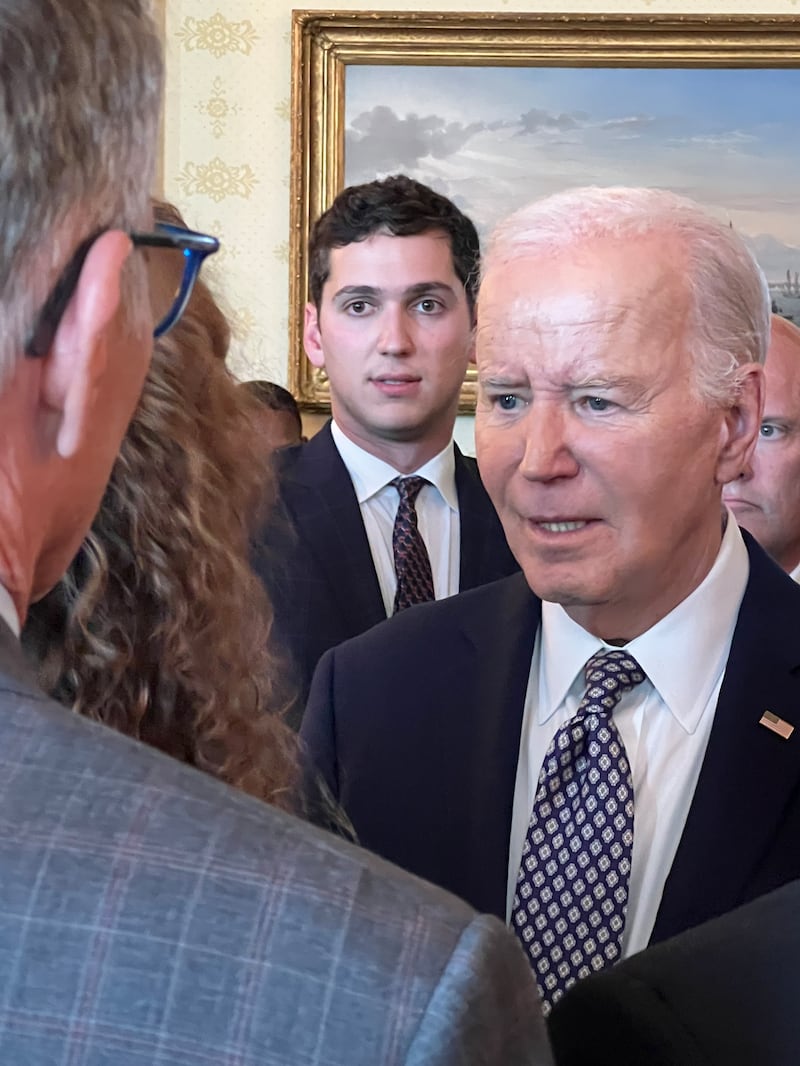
626 291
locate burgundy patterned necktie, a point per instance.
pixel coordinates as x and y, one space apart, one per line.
572 888
411 563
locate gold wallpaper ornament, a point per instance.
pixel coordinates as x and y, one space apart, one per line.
228 249
217 35
217 179
243 322
217 107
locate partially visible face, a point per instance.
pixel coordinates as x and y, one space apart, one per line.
394 335
766 498
604 465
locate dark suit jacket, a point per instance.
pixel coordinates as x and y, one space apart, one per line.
723 994
149 914
315 561
416 728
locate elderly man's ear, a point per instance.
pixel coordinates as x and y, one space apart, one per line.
741 426
78 358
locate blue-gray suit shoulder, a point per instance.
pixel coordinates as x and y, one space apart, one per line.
149 914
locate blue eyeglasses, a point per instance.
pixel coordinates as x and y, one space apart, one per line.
174 257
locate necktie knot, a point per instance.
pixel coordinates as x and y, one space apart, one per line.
409 488
609 675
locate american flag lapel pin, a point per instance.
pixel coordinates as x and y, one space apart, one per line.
776 725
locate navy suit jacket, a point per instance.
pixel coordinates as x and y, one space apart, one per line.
315 560
722 994
416 727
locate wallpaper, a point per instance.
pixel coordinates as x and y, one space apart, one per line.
226 143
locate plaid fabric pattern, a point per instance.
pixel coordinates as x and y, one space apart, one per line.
150 915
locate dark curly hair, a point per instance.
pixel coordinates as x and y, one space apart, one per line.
160 629
402 207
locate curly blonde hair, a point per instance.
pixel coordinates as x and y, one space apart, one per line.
160 629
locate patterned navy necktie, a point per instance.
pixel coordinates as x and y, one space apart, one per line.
572 888
412 566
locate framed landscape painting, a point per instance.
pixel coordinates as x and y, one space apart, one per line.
497 110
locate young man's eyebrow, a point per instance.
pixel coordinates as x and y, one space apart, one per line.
420 288
423 287
357 290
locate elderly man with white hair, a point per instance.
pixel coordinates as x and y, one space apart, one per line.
601 750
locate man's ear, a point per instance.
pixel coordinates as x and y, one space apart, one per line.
77 359
312 338
742 424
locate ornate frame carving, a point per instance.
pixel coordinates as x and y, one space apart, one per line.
325 43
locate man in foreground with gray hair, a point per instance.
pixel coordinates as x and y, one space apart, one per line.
646 660
147 912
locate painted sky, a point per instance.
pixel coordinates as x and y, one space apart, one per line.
494 138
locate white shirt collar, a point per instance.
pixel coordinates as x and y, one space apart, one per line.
8 612
683 654
795 574
370 474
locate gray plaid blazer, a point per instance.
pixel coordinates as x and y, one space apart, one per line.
150 915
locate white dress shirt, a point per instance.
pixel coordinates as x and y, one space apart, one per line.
437 514
795 574
664 722
8 612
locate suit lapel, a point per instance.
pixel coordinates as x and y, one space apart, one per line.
483 751
485 555
321 501
749 773
471 518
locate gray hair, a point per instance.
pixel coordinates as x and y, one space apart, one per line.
729 306
80 97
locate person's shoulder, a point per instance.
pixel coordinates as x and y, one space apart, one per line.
769 588
718 986
427 623
114 787
294 469
467 462
286 458
304 457
222 891
468 475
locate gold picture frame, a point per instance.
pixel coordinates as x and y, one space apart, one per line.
326 43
